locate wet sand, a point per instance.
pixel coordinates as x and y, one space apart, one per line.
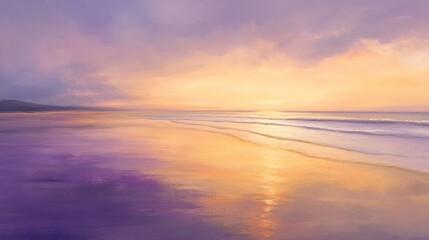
115 176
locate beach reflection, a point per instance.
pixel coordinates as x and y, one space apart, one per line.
118 176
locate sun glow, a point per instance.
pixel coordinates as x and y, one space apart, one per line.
243 79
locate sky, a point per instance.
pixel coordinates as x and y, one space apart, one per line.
217 54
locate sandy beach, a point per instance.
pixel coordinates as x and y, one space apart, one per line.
116 176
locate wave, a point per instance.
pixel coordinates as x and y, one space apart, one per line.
317 128
315 119
369 163
300 141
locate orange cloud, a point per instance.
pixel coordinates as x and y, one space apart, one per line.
369 75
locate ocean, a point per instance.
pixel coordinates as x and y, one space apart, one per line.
393 139
126 175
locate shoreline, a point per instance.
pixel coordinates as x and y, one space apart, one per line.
368 163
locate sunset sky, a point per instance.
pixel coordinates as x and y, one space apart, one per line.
218 54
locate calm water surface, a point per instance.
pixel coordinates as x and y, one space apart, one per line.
214 175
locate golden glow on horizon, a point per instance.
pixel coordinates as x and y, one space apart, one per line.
370 75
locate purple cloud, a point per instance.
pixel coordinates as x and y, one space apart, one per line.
50 38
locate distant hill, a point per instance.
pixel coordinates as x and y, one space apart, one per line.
20 106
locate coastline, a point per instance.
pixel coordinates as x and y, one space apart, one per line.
252 190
